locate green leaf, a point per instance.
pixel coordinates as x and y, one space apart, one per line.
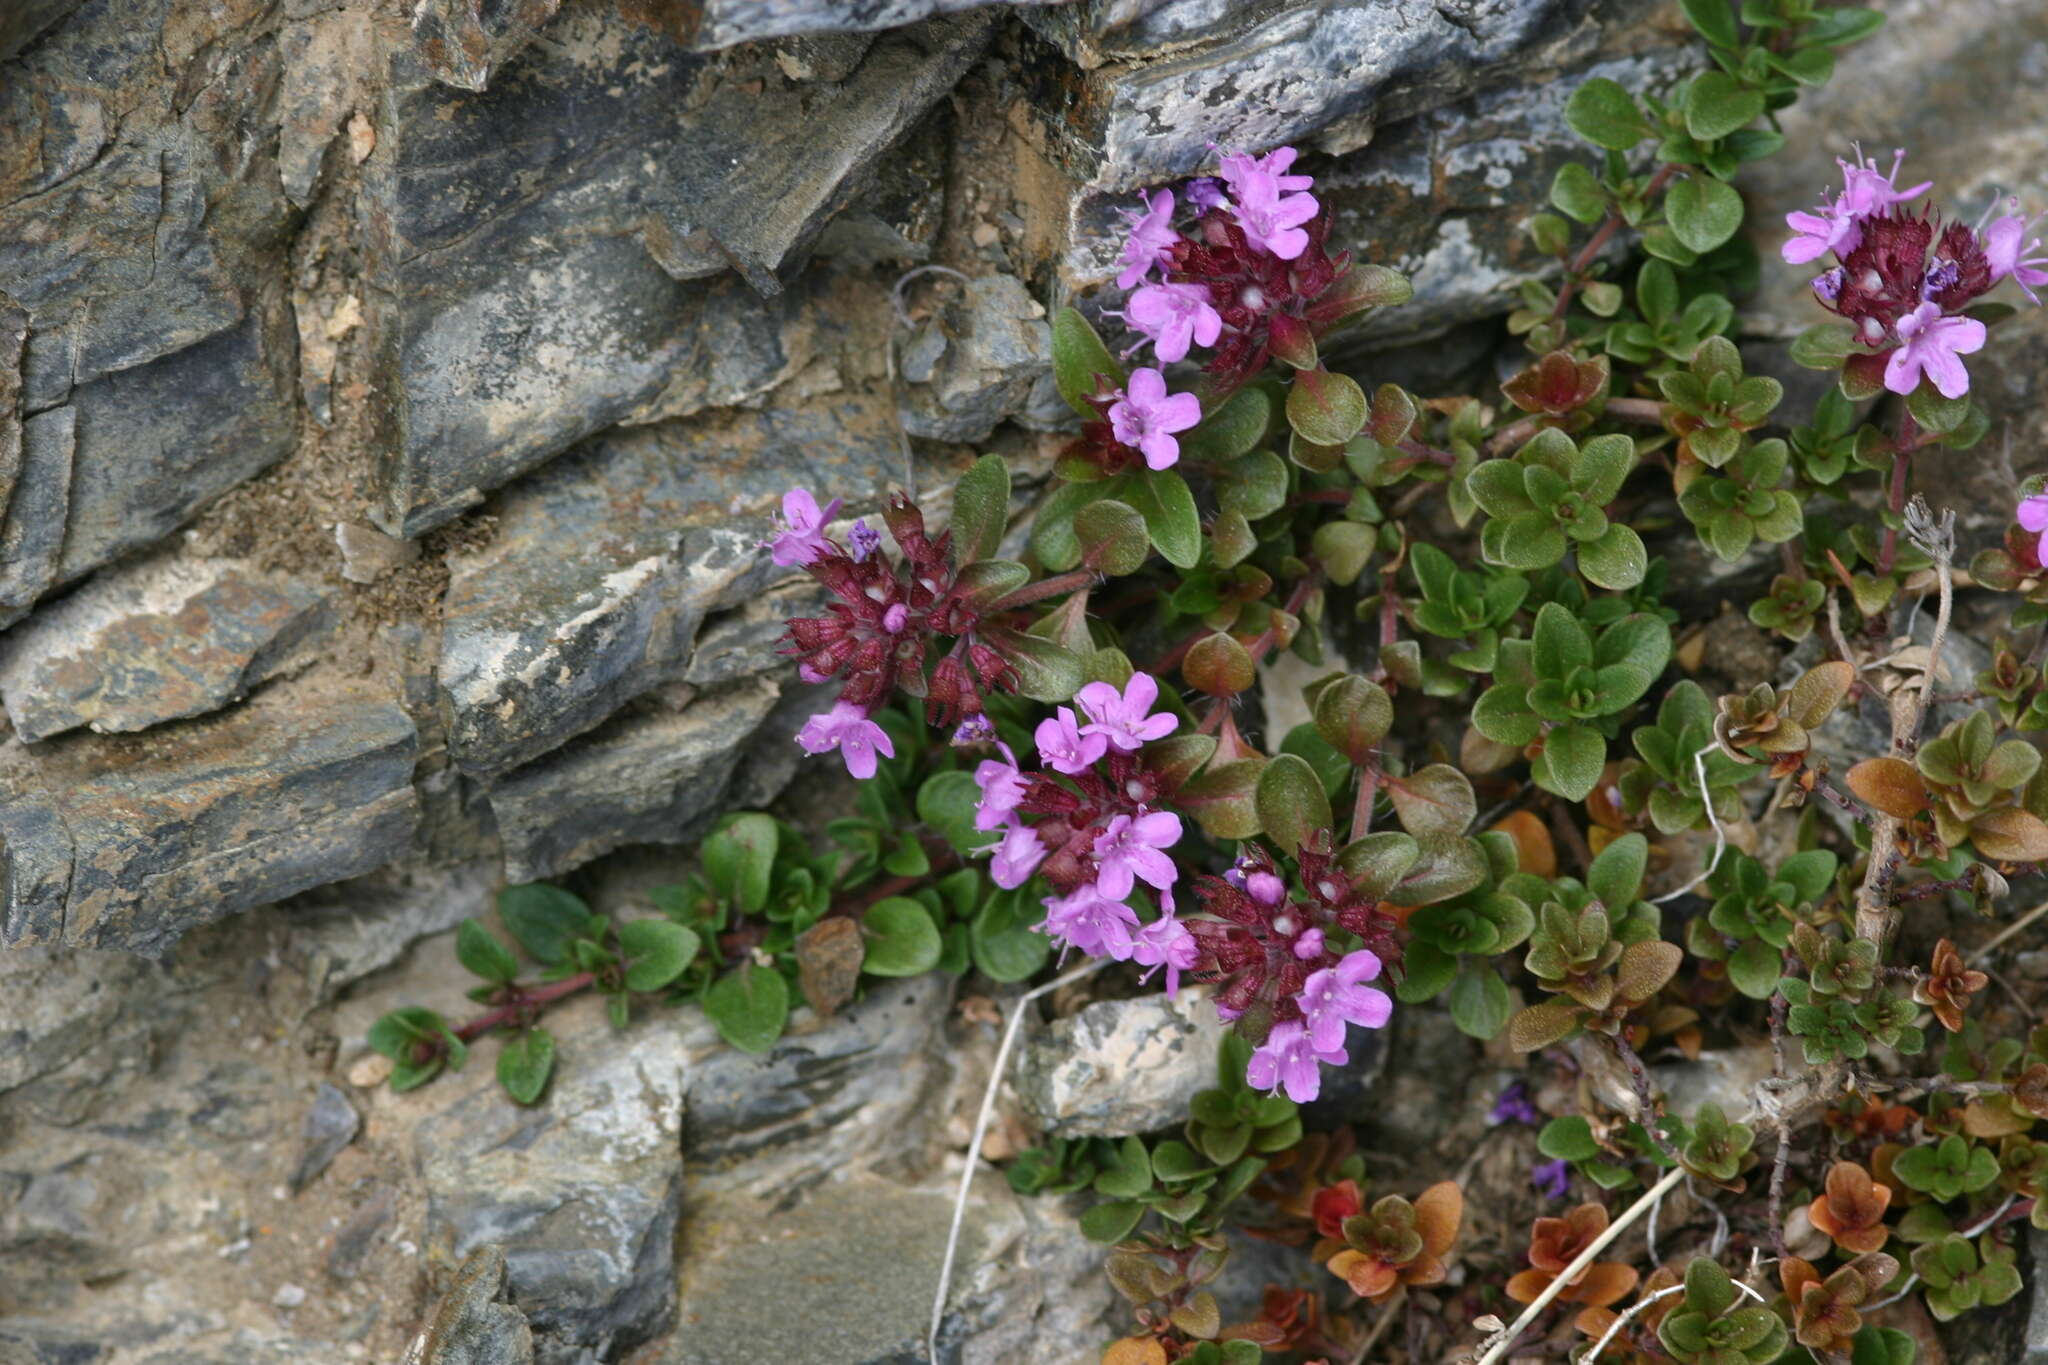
1113 537
1426 970
1616 561
1052 528
526 1062
1005 946
657 952
901 938
1703 211
1326 409
1574 191
1254 486
1561 643
1754 969
1823 346
1045 671
1570 1138
1078 358
1162 498
981 509
1605 114
1656 292
1231 430
1437 799
1715 20
482 953
1291 802
1570 762
946 801
544 919
1111 1222
986 582
739 858
1716 105
749 1007
1480 1003
1616 876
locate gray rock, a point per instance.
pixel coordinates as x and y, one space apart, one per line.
867 1252
331 1124
26 22
463 41
659 776
581 1192
471 1325
341 933
507 322
605 565
13 333
1199 74
128 842
1863 728
32 536
976 362
156 641
59 1004
1121 1066
834 1096
722 23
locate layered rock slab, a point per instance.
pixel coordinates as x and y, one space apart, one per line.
128 842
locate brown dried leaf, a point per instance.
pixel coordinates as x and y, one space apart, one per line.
2010 835
828 958
1819 691
1889 785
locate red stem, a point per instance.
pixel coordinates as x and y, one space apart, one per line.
1044 588
1607 229
524 1002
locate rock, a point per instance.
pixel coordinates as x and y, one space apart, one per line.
367 554
341 933
1121 1066
977 361
656 777
744 641
581 1192
471 1324
127 842
834 1096
1197 75
59 1004
27 21
507 324
867 1252
462 43
156 641
1863 729
606 563
331 1124
148 267
722 23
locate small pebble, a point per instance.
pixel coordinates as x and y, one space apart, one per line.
288 1296
370 1072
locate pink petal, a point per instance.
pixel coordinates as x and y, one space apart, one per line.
1902 371
1179 412
1140 692
2033 512
1146 387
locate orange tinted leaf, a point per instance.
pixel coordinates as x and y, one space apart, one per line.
1533 846
1527 1284
1135 1351
1605 1282
2010 836
1890 785
1438 1211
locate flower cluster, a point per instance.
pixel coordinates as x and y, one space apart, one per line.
1096 832
876 636
1903 280
1248 276
1138 423
1281 970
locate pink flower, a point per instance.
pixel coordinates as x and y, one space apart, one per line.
802 537
1867 191
1016 857
1166 942
1309 946
1151 234
1267 203
2003 249
1129 850
1064 747
1332 998
1288 1058
847 728
1145 417
1931 343
1265 888
1172 315
1002 790
1205 192
1838 227
2033 516
1122 718
1090 921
